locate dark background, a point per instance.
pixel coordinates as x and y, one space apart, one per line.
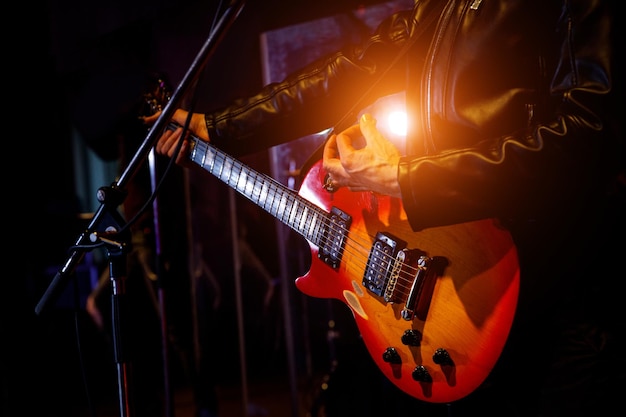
75 68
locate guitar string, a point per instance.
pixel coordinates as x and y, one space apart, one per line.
431 18
272 185
358 250
383 262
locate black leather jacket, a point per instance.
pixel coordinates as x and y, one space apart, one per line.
507 99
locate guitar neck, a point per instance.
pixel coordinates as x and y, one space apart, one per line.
278 200
430 339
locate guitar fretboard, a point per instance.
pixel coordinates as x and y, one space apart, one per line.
278 200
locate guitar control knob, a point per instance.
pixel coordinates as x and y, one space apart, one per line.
442 357
391 355
420 374
411 337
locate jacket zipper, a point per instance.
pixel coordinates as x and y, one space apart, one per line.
427 83
476 4
443 23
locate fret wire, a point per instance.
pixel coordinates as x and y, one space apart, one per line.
248 182
281 207
304 217
220 173
204 154
256 188
250 186
293 212
269 197
228 172
263 193
311 225
242 179
228 169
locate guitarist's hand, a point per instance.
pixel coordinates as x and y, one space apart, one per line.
361 159
166 145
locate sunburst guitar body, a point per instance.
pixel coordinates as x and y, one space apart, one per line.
434 307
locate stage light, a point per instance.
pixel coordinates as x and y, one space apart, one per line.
390 112
396 121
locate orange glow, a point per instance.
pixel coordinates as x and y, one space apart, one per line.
396 121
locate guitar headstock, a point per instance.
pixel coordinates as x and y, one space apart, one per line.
157 95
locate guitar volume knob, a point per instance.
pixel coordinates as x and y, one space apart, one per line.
411 337
421 374
442 357
391 355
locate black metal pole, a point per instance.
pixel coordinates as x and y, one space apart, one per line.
111 198
59 282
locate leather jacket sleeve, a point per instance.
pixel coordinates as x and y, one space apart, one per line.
315 97
516 170
510 100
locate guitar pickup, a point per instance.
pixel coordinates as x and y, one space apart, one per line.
334 238
383 265
398 274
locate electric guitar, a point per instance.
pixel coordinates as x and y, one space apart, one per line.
434 307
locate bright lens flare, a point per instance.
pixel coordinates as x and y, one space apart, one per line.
397 122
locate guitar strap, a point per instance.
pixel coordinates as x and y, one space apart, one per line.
316 155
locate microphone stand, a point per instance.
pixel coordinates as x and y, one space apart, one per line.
107 225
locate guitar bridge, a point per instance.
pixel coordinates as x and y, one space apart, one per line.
408 312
